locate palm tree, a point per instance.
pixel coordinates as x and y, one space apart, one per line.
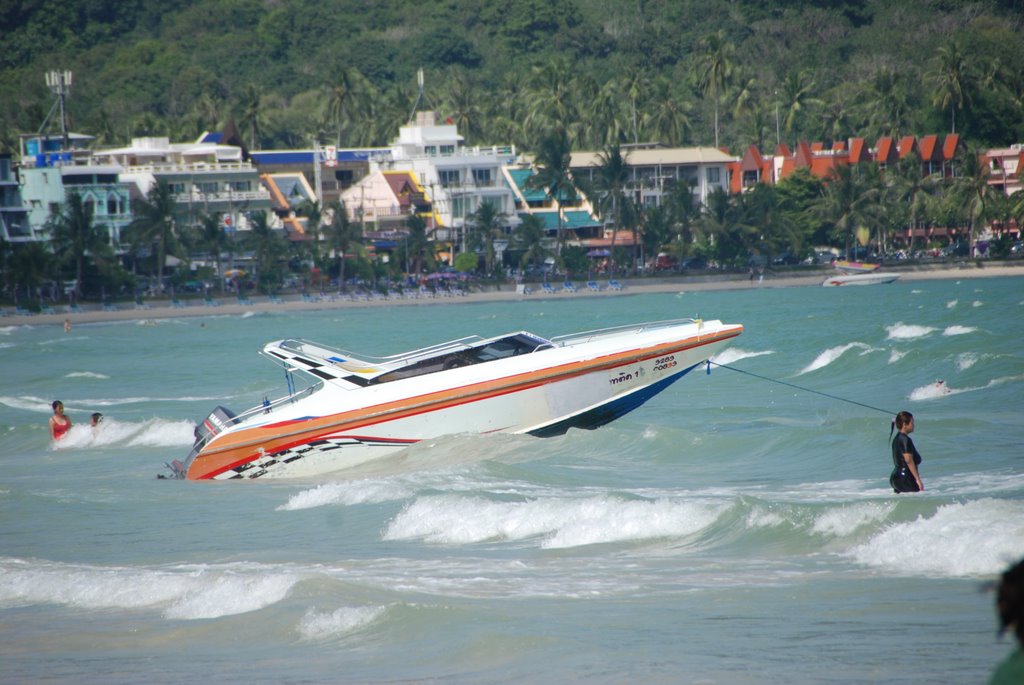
343 96
950 81
797 93
910 188
971 185
552 174
461 100
848 203
488 224
342 236
886 101
669 115
154 224
268 247
610 179
715 68
252 115
419 250
726 227
75 236
213 239
528 237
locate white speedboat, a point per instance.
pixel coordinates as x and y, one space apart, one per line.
872 278
360 408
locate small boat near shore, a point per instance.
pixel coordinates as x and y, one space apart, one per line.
358 408
870 278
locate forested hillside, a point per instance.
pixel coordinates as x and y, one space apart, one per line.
608 70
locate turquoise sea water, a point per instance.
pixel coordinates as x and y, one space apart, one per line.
733 530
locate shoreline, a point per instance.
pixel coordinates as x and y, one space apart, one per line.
197 308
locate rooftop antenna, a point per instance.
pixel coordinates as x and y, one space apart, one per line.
59 83
420 96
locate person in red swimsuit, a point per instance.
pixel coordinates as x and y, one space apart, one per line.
59 423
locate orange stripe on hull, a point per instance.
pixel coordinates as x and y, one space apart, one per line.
230 450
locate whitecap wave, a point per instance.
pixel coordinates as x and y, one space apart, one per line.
181 593
86 374
559 523
966 360
958 330
910 547
316 625
111 432
896 355
951 304
977 303
902 331
846 520
932 391
349 493
834 353
734 354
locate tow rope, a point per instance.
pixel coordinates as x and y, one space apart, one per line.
798 387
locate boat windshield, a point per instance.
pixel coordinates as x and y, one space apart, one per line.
486 351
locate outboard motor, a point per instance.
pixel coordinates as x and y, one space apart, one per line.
219 419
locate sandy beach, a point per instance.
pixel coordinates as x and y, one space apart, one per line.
163 309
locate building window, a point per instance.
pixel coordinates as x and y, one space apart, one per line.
714 175
176 188
207 187
482 177
447 149
112 208
430 150
241 186
448 177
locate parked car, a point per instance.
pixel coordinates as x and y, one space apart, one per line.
786 258
960 248
695 263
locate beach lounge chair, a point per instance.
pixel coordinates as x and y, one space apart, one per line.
593 286
210 302
547 288
244 301
614 285
569 287
109 307
21 311
274 299
178 304
75 309
46 309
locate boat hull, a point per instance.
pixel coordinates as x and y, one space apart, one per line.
874 278
545 393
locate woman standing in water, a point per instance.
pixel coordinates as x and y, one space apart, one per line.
59 423
905 457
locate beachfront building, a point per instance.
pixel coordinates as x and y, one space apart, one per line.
204 178
572 212
381 204
457 179
52 166
14 225
937 158
1005 166
654 171
328 169
289 193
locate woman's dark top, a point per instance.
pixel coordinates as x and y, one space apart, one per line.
902 480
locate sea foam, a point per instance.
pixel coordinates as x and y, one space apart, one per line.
317 625
834 353
111 432
180 593
557 522
959 540
734 354
902 331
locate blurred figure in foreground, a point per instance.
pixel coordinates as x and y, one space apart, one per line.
1010 608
